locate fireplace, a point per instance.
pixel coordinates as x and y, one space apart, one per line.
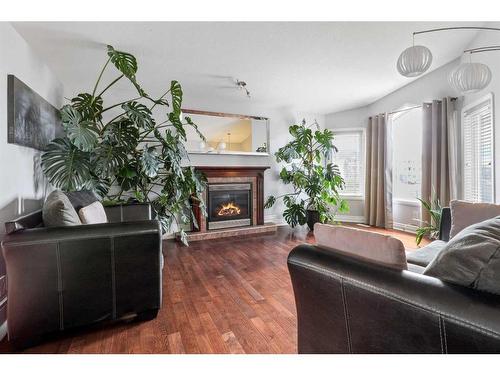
229 205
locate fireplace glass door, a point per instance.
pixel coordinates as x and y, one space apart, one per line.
229 205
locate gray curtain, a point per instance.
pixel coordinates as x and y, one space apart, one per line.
439 152
375 179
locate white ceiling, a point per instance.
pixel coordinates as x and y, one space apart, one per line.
320 67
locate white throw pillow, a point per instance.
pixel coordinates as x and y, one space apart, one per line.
464 214
93 214
368 246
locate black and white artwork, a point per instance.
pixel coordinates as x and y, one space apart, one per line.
33 122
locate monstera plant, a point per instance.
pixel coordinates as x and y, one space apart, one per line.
316 182
123 152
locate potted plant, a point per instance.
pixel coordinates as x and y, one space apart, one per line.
316 181
431 230
123 152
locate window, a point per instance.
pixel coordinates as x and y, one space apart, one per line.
407 155
477 143
350 159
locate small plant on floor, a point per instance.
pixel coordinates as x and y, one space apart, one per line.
315 181
123 152
431 229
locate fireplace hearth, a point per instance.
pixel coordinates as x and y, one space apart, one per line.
229 205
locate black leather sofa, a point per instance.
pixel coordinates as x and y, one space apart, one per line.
66 277
346 305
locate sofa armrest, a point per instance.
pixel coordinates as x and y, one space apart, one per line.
346 305
70 276
445 226
119 213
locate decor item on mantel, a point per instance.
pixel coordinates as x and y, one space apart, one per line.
32 121
235 203
316 181
126 154
467 78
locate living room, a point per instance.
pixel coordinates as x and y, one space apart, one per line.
234 186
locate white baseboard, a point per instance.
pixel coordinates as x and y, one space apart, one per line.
405 227
350 219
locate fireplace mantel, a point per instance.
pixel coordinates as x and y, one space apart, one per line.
222 173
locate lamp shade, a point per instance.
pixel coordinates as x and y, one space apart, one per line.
470 77
414 61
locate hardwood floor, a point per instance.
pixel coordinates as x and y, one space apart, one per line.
219 296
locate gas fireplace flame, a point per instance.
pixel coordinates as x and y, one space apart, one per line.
229 209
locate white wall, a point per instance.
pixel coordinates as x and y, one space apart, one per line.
22 186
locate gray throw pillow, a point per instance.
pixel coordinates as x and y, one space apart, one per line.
471 258
58 211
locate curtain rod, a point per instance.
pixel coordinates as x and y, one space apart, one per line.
456 28
410 108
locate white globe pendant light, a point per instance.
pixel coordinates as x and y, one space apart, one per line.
414 61
470 77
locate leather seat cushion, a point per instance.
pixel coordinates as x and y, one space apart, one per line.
422 257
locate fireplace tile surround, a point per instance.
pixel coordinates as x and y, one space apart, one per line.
237 176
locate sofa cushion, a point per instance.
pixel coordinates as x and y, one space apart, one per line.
426 254
57 211
81 198
416 268
464 214
93 214
368 246
471 258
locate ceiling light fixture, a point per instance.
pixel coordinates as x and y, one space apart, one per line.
242 85
467 78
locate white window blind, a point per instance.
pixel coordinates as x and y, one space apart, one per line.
349 158
477 125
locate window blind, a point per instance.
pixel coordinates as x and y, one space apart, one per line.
349 158
477 124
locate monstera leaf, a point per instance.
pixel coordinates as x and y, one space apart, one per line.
99 185
124 62
88 106
139 114
150 163
176 92
128 177
195 127
295 214
122 133
66 166
177 123
108 158
82 133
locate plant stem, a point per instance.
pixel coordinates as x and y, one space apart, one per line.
111 84
121 103
100 76
161 97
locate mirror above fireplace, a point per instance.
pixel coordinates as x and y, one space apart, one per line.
228 134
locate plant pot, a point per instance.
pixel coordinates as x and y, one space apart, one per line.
312 217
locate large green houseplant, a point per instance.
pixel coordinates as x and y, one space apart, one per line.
316 182
123 152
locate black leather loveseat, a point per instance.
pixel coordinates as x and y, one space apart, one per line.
346 305
65 277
